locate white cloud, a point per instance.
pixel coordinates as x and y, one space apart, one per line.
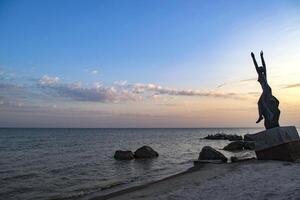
48 80
120 91
94 72
296 85
97 84
124 91
121 82
95 93
141 88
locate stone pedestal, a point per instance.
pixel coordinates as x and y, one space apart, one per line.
280 143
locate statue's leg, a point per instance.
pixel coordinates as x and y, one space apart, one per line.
271 112
274 103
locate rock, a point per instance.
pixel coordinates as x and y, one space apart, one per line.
240 159
208 153
223 136
240 145
248 137
249 145
218 136
123 155
200 162
234 137
234 146
280 143
145 152
234 159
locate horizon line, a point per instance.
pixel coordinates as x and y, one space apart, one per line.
125 127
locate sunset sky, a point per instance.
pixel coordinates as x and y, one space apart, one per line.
145 63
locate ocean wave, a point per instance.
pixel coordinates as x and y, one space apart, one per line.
7 171
87 191
67 168
20 176
112 185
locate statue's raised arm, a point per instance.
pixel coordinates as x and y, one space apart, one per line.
263 63
254 61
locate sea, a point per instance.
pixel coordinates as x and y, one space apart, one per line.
61 164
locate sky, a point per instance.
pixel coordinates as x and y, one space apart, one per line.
144 64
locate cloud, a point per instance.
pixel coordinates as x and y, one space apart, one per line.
121 82
12 90
76 91
254 93
94 72
49 88
140 88
80 93
97 84
291 86
10 102
123 92
222 85
7 75
9 86
1 100
248 80
13 95
237 82
47 80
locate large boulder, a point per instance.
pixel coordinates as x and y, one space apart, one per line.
123 155
145 152
280 143
234 146
209 153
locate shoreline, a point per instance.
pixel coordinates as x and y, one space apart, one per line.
175 177
251 179
145 185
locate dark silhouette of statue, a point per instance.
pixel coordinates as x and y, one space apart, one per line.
267 104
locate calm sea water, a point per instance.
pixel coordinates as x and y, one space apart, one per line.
58 164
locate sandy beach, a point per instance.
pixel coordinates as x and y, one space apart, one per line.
245 180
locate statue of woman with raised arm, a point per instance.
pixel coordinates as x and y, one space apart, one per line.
267 104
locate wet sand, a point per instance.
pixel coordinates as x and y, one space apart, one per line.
245 180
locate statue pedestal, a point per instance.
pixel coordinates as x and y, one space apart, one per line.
280 143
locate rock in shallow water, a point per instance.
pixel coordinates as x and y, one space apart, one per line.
145 152
240 159
248 137
209 153
249 145
123 155
234 146
240 145
234 137
223 136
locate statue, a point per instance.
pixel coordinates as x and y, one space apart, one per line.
267 104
